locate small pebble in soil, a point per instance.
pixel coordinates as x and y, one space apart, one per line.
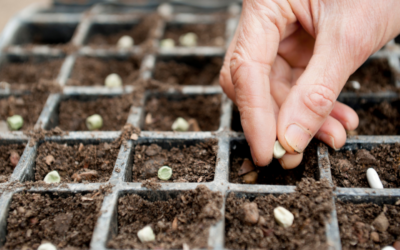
246 167
194 125
355 84
283 216
180 124
251 214
279 151
94 122
164 173
49 160
14 158
375 237
47 246
250 178
188 40
113 81
125 42
15 122
52 177
167 43
373 179
388 248
165 10
146 234
381 223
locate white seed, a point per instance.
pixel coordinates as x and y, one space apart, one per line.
146 234
47 246
164 173
165 10
388 248
355 84
52 177
113 81
373 179
188 39
167 43
94 122
15 122
180 124
283 216
279 151
125 42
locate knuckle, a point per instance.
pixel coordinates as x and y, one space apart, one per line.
224 77
320 100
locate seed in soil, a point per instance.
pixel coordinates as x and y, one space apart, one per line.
373 179
165 10
94 122
164 173
356 85
283 216
180 124
251 214
388 248
9 158
279 151
52 177
167 43
146 234
188 40
15 122
125 42
113 81
47 246
14 158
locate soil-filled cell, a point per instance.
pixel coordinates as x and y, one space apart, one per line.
189 70
9 158
243 170
201 112
349 167
45 34
66 221
375 75
77 162
250 222
113 110
91 71
189 163
179 221
368 225
207 34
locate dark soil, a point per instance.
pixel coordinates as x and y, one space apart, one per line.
349 168
114 111
380 119
374 76
207 34
236 124
90 71
64 221
206 110
355 224
274 174
193 212
189 163
311 205
201 71
93 163
6 167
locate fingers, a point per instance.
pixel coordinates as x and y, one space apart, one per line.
345 115
332 133
290 161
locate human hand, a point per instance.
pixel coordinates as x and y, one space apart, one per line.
289 60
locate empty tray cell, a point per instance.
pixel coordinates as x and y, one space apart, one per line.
45 33
179 220
250 222
190 160
9 158
349 166
76 162
22 71
236 124
243 170
208 34
188 70
375 75
90 71
108 34
65 220
74 110
202 112
368 222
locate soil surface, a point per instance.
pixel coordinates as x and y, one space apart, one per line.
374 76
181 222
349 168
90 71
380 119
114 111
30 72
201 71
357 230
189 163
76 163
206 110
207 34
274 174
311 205
66 222
6 164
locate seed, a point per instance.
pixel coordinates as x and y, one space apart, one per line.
15 122
381 223
49 159
52 177
194 125
165 173
373 179
279 151
47 246
247 166
250 178
125 42
388 248
188 40
113 81
165 10
146 234
167 43
94 122
180 124
14 158
283 216
355 84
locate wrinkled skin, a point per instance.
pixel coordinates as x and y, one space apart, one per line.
289 60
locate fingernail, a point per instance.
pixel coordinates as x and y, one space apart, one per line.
327 139
297 137
282 163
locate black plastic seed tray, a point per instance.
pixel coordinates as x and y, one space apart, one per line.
72 26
